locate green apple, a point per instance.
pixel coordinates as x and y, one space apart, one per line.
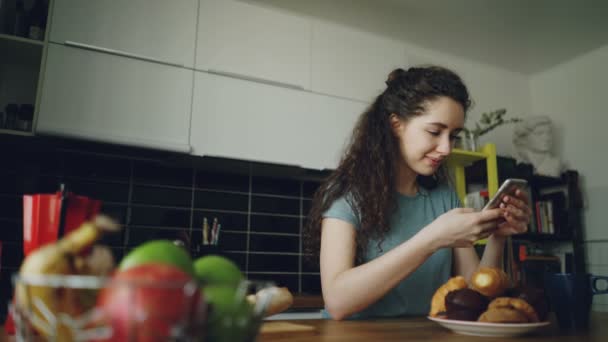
217 270
231 315
158 251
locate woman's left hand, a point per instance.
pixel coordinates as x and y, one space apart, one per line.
517 214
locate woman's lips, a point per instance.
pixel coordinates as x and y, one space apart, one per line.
434 161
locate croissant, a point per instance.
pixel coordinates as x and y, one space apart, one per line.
438 301
490 282
281 299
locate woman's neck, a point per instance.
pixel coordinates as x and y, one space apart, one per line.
405 181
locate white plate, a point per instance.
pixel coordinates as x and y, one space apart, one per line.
488 329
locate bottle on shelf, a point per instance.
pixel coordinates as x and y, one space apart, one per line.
37 20
25 117
12 111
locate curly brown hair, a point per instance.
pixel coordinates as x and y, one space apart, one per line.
367 169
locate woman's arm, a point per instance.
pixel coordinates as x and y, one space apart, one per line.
466 261
348 289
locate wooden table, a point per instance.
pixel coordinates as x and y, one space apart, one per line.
421 329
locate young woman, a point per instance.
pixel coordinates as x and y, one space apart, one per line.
386 225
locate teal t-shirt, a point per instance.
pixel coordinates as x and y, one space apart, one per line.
412 296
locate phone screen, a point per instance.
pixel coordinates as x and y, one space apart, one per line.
507 188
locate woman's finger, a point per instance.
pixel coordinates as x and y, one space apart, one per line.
517 226
517 213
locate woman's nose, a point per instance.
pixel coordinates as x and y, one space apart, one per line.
445 145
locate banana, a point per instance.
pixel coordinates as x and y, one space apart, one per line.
47 302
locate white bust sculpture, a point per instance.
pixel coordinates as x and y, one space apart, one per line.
533 140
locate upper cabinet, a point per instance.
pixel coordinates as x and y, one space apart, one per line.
247 120
153 30
350 63
253 42
115 99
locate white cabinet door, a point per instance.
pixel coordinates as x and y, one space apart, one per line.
252 121
115 99
333 120
350 63
150 29
253 42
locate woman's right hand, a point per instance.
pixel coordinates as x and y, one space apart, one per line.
461 227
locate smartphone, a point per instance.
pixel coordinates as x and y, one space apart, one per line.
507 188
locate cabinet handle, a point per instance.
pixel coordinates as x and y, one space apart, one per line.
119 53
255 79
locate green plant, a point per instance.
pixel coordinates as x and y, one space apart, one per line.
489 121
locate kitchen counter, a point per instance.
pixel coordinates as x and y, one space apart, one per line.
421 329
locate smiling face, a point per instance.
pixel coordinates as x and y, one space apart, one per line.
427 139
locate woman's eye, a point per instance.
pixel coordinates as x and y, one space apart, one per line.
434 133
453 137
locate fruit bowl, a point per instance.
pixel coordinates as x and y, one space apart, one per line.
90 308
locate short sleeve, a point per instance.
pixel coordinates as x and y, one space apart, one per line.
342 210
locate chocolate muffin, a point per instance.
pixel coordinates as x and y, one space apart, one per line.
465 304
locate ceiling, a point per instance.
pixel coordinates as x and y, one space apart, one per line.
525 36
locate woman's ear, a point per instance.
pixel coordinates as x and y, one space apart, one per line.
396 124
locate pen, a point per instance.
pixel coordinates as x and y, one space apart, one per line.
205 232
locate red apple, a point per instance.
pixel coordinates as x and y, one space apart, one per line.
148 302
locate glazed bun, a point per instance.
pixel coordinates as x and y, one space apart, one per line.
503 315
490 282
515 304
536 298
438 301
465 304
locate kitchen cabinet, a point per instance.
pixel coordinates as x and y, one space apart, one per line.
253 42
247 120
115 99
350 63
154 30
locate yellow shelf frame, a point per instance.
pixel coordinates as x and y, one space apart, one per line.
460 159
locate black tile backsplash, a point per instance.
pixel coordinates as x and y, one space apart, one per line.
221 200
265 185
105 191
290 281
174 197
11 230
11 206
219 181
309 188
311 283
12 254
275 224
96 167
161 195
159 216
157 173
275 205
274 243
273 263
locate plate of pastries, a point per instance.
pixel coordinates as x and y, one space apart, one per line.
488 306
